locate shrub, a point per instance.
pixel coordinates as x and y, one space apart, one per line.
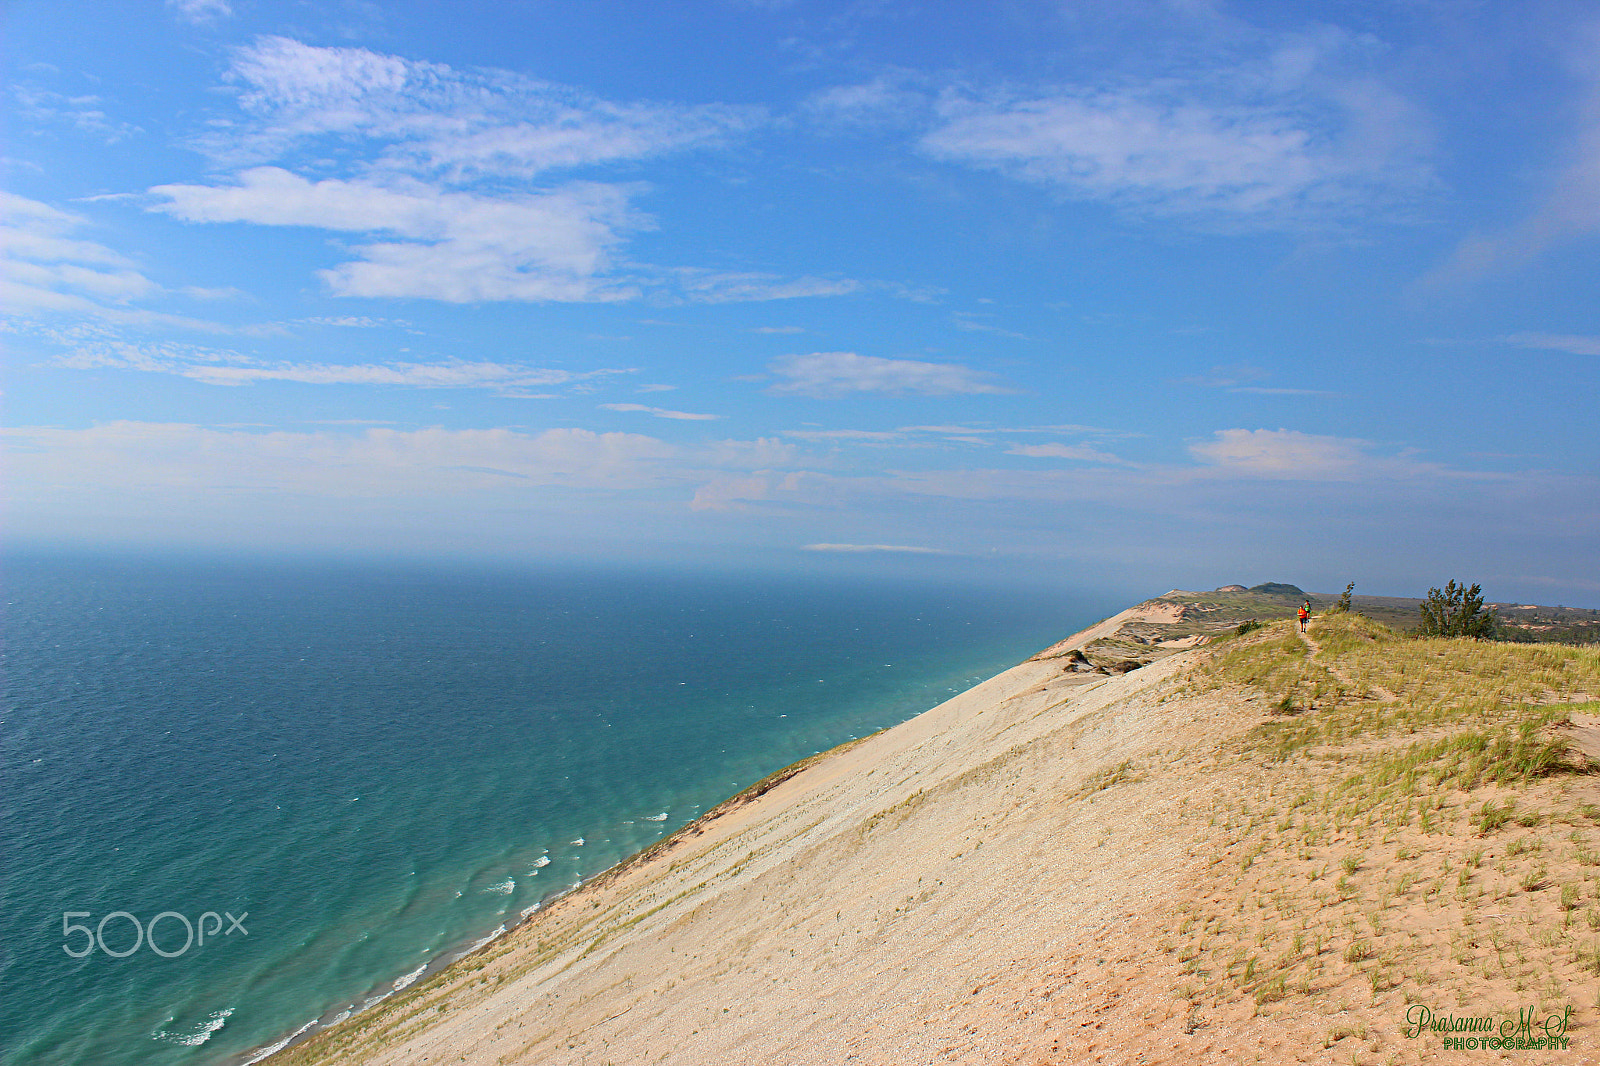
1342 604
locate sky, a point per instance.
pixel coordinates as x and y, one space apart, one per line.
1137 294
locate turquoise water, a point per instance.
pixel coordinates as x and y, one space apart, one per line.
369 767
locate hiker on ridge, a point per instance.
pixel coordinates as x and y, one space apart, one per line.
1305 613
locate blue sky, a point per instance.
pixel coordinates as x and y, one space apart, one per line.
1118 294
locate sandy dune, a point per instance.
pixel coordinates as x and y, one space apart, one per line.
908 899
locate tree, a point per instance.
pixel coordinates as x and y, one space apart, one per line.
1457 611
1342 605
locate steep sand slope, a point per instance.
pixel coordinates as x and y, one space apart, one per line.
916 897
1061 866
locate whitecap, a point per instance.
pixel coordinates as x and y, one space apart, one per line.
543 860
408 980
212 1023
579 842
273 1049
504 888
656 817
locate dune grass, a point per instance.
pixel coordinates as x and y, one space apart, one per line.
1414 827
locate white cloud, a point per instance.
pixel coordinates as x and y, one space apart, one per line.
841 373
885 100
459 247
659 412
1292 455
1557 342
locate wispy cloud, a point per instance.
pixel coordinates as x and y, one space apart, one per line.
778 329
84 112
45 268
836 435
1568 209
1234 379
439 176
201 12
912 549
660 412
1557 342
842 373
1079 452
706 286
376 461
1291 455
969 321
224 367
1262 390
1289 138
430 118
356 322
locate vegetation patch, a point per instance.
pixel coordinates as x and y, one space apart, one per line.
1417 829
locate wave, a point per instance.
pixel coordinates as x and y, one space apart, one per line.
212 1023
401 984
656 817
273 1049
504 888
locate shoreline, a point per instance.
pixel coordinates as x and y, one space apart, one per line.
644 875
466 950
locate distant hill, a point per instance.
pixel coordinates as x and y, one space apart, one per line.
1275 588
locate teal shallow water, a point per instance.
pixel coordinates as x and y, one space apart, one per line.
379 765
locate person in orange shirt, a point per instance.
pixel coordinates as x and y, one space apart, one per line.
1305 613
